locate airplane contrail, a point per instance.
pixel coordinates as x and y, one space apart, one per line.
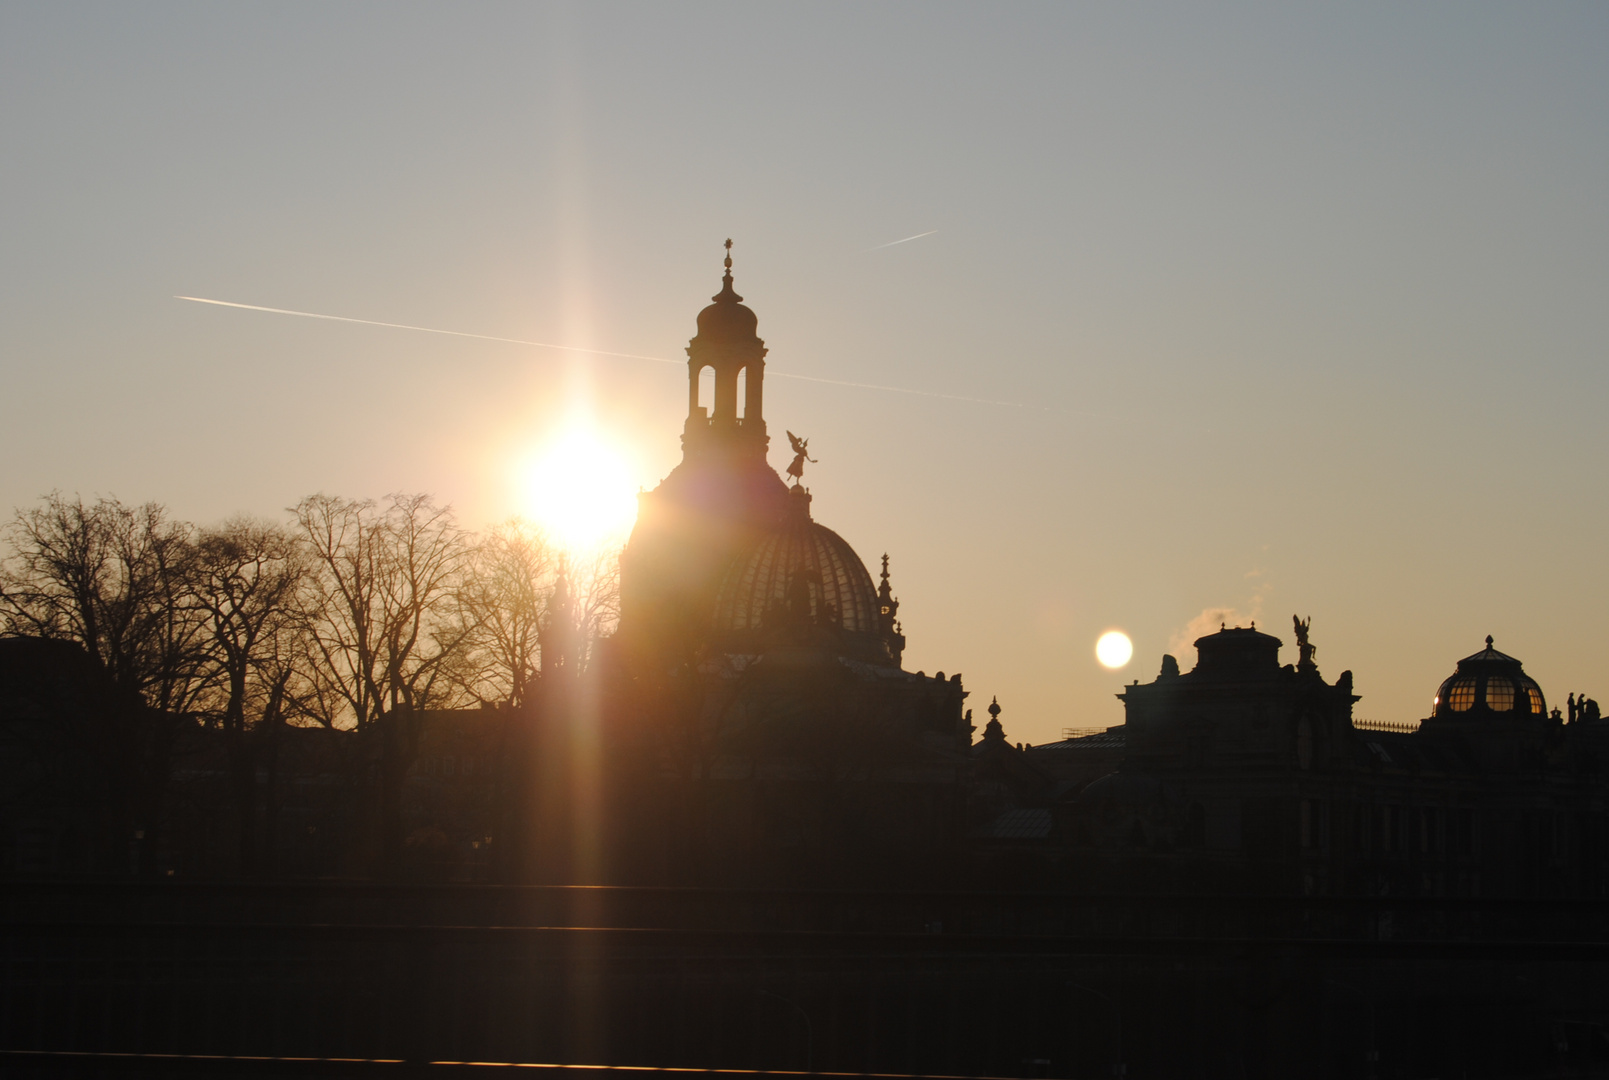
907 240
605 352
425 329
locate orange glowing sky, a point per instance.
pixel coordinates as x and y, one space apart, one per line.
1291 311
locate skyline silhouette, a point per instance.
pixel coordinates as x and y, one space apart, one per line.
436 631
1319 293
631 795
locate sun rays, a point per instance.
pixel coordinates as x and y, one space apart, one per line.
578 489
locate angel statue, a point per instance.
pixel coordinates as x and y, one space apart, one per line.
1306 651
800 456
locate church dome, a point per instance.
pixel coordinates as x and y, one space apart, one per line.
1490 683
802 569
727 321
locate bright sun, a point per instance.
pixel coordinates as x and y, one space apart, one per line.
579 490
1114 649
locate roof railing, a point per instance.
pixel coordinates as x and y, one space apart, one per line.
1402 726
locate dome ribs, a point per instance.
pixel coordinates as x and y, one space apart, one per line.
763 574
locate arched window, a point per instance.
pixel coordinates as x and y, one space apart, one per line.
706 389
742 391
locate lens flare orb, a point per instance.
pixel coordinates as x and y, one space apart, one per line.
579 490
1114 649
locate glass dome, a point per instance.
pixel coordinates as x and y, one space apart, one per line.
800 573
1490 683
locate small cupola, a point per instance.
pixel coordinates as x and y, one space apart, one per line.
728 343
728 321
1489 685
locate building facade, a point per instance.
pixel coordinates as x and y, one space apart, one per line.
1247 775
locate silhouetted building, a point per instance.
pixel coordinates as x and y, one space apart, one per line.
1239 880
751 721
1245 775
724 554
755 682
67 801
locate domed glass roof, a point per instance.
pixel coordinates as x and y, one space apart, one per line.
1488 683
798 564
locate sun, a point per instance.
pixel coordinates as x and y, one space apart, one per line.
579 490
1114 649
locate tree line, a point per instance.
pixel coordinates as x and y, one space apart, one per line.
348 615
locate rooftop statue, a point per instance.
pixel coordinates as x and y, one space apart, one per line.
800 456
1304 650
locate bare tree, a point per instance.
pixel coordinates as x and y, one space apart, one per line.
595 584
115 579
531 618
500 604
249 579
520 599
383 647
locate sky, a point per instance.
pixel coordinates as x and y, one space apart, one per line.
1276 309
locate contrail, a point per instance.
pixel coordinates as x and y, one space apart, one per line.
907 240
605 352
426 329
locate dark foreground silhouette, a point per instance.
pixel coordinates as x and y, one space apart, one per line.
245 816
953 983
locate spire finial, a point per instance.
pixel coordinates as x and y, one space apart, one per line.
1488 641
726 292
887 612
992 731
